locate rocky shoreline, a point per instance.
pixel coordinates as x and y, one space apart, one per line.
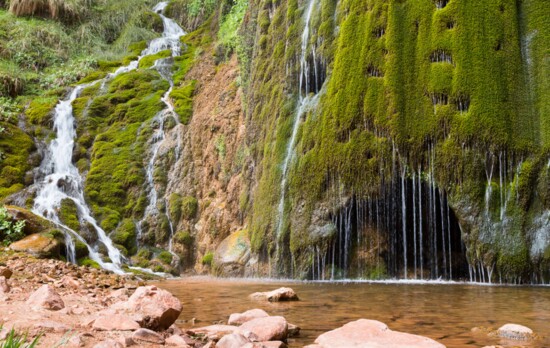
66 305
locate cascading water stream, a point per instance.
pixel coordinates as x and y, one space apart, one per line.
170 40
62 180
305 103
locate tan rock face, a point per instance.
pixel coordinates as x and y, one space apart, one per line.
115 323
241 318
46 298
265 329
38 245
158 308
365 333
281 294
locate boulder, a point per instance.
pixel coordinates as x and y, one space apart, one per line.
33 223
116 322
158 308
265 329
515 332
4 286
293 330
232 255
273 344
147 336
233 340
281 294
39 245
5 272
178 341
241 318
365 333
46 297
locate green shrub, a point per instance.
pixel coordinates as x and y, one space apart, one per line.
165 257
10 230
184 237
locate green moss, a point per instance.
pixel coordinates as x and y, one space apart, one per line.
185 238
40 111
88 262
183 100
125 236
165 257
175 207
68 214
208 258
15 149
149 61
189 207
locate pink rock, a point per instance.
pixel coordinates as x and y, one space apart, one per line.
515 332
158 308
241 318
46 297
4 286
233 340
265 329
273 344
119 295
116 322
178 341
51 326
147 336
281 294
109 344
365 333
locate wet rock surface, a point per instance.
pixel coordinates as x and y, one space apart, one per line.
281 294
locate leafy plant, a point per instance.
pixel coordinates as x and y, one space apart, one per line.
10 231
15 340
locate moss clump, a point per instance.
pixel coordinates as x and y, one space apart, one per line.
85 261
175 202
15 149
208 258
183 100
189 207
149 61
125 235
165 257
185 238
40 111
81 250
68 214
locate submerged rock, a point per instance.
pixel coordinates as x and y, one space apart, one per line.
265 329
281 294
241 318
214 332
365 333
515 332
47 298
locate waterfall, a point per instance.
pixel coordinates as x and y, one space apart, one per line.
170 40
305 103
62 180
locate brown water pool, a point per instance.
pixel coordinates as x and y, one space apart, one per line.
446 312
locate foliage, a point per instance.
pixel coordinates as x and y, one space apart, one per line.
165 257
183 100
190 14
189 207
230 24
208 258
15 340
10 230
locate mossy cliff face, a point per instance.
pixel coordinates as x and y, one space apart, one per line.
451 90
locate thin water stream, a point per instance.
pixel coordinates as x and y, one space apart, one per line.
446 312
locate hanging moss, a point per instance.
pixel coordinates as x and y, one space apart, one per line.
189 207
183 100
68 214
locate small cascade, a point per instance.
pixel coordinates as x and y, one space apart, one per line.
170 40
306 102
60 178
63 181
